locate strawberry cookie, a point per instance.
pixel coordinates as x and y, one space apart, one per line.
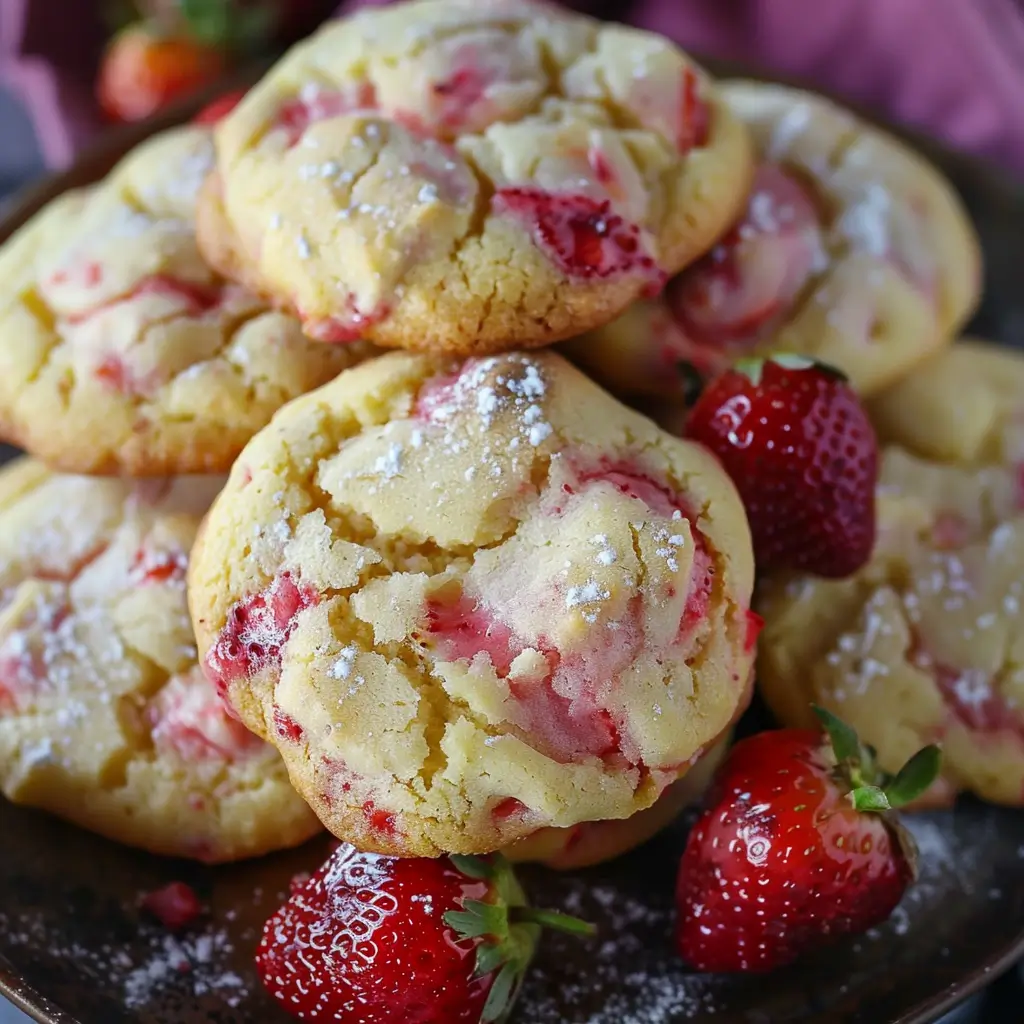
469 176
469 601
121 351
965 405
852 249
105 716
924 644
594 842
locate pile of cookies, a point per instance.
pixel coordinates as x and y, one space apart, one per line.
458 597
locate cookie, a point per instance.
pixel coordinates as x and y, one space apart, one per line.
641 355
121 351
926 642
470 176
594 842
965 405
106 718
469 601
852 249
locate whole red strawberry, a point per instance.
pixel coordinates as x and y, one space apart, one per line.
371 939
799 447
797 848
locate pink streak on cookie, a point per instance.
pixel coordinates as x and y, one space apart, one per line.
679 112
286 728
21 673
315 104
345 327
694 115
950 531
460 96
562 713
60 571
559 711
975 702
751 279
155 566
88 275
469 630
510 807
219 108
190 722
437 399
257 628
583 237
114 374
382 822
660 499
195 299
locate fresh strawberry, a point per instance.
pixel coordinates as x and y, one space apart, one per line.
370 939
175 906
798 847
799 447
143 70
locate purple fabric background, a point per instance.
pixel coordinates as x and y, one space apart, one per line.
953 67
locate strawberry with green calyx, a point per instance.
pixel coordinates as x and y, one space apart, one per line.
144 69
166 50
798 847
370 939
798 445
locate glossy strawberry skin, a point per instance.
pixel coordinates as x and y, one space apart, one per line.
363 942
803 455
142 72
780 863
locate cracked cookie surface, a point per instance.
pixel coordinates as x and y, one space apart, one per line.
470 176
926 643
106 718
121 351
852 249
470 601
964 405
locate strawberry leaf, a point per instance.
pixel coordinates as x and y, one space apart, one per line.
792 361
477 919
472 867
869 798
489 957
220 24
500 996
750 368
553 919
691 381
845 743
914 777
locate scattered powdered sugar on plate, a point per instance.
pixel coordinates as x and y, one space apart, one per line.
633 974
194 963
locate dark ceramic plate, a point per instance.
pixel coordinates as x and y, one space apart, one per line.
74 950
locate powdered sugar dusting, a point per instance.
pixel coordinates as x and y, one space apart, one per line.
196 963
